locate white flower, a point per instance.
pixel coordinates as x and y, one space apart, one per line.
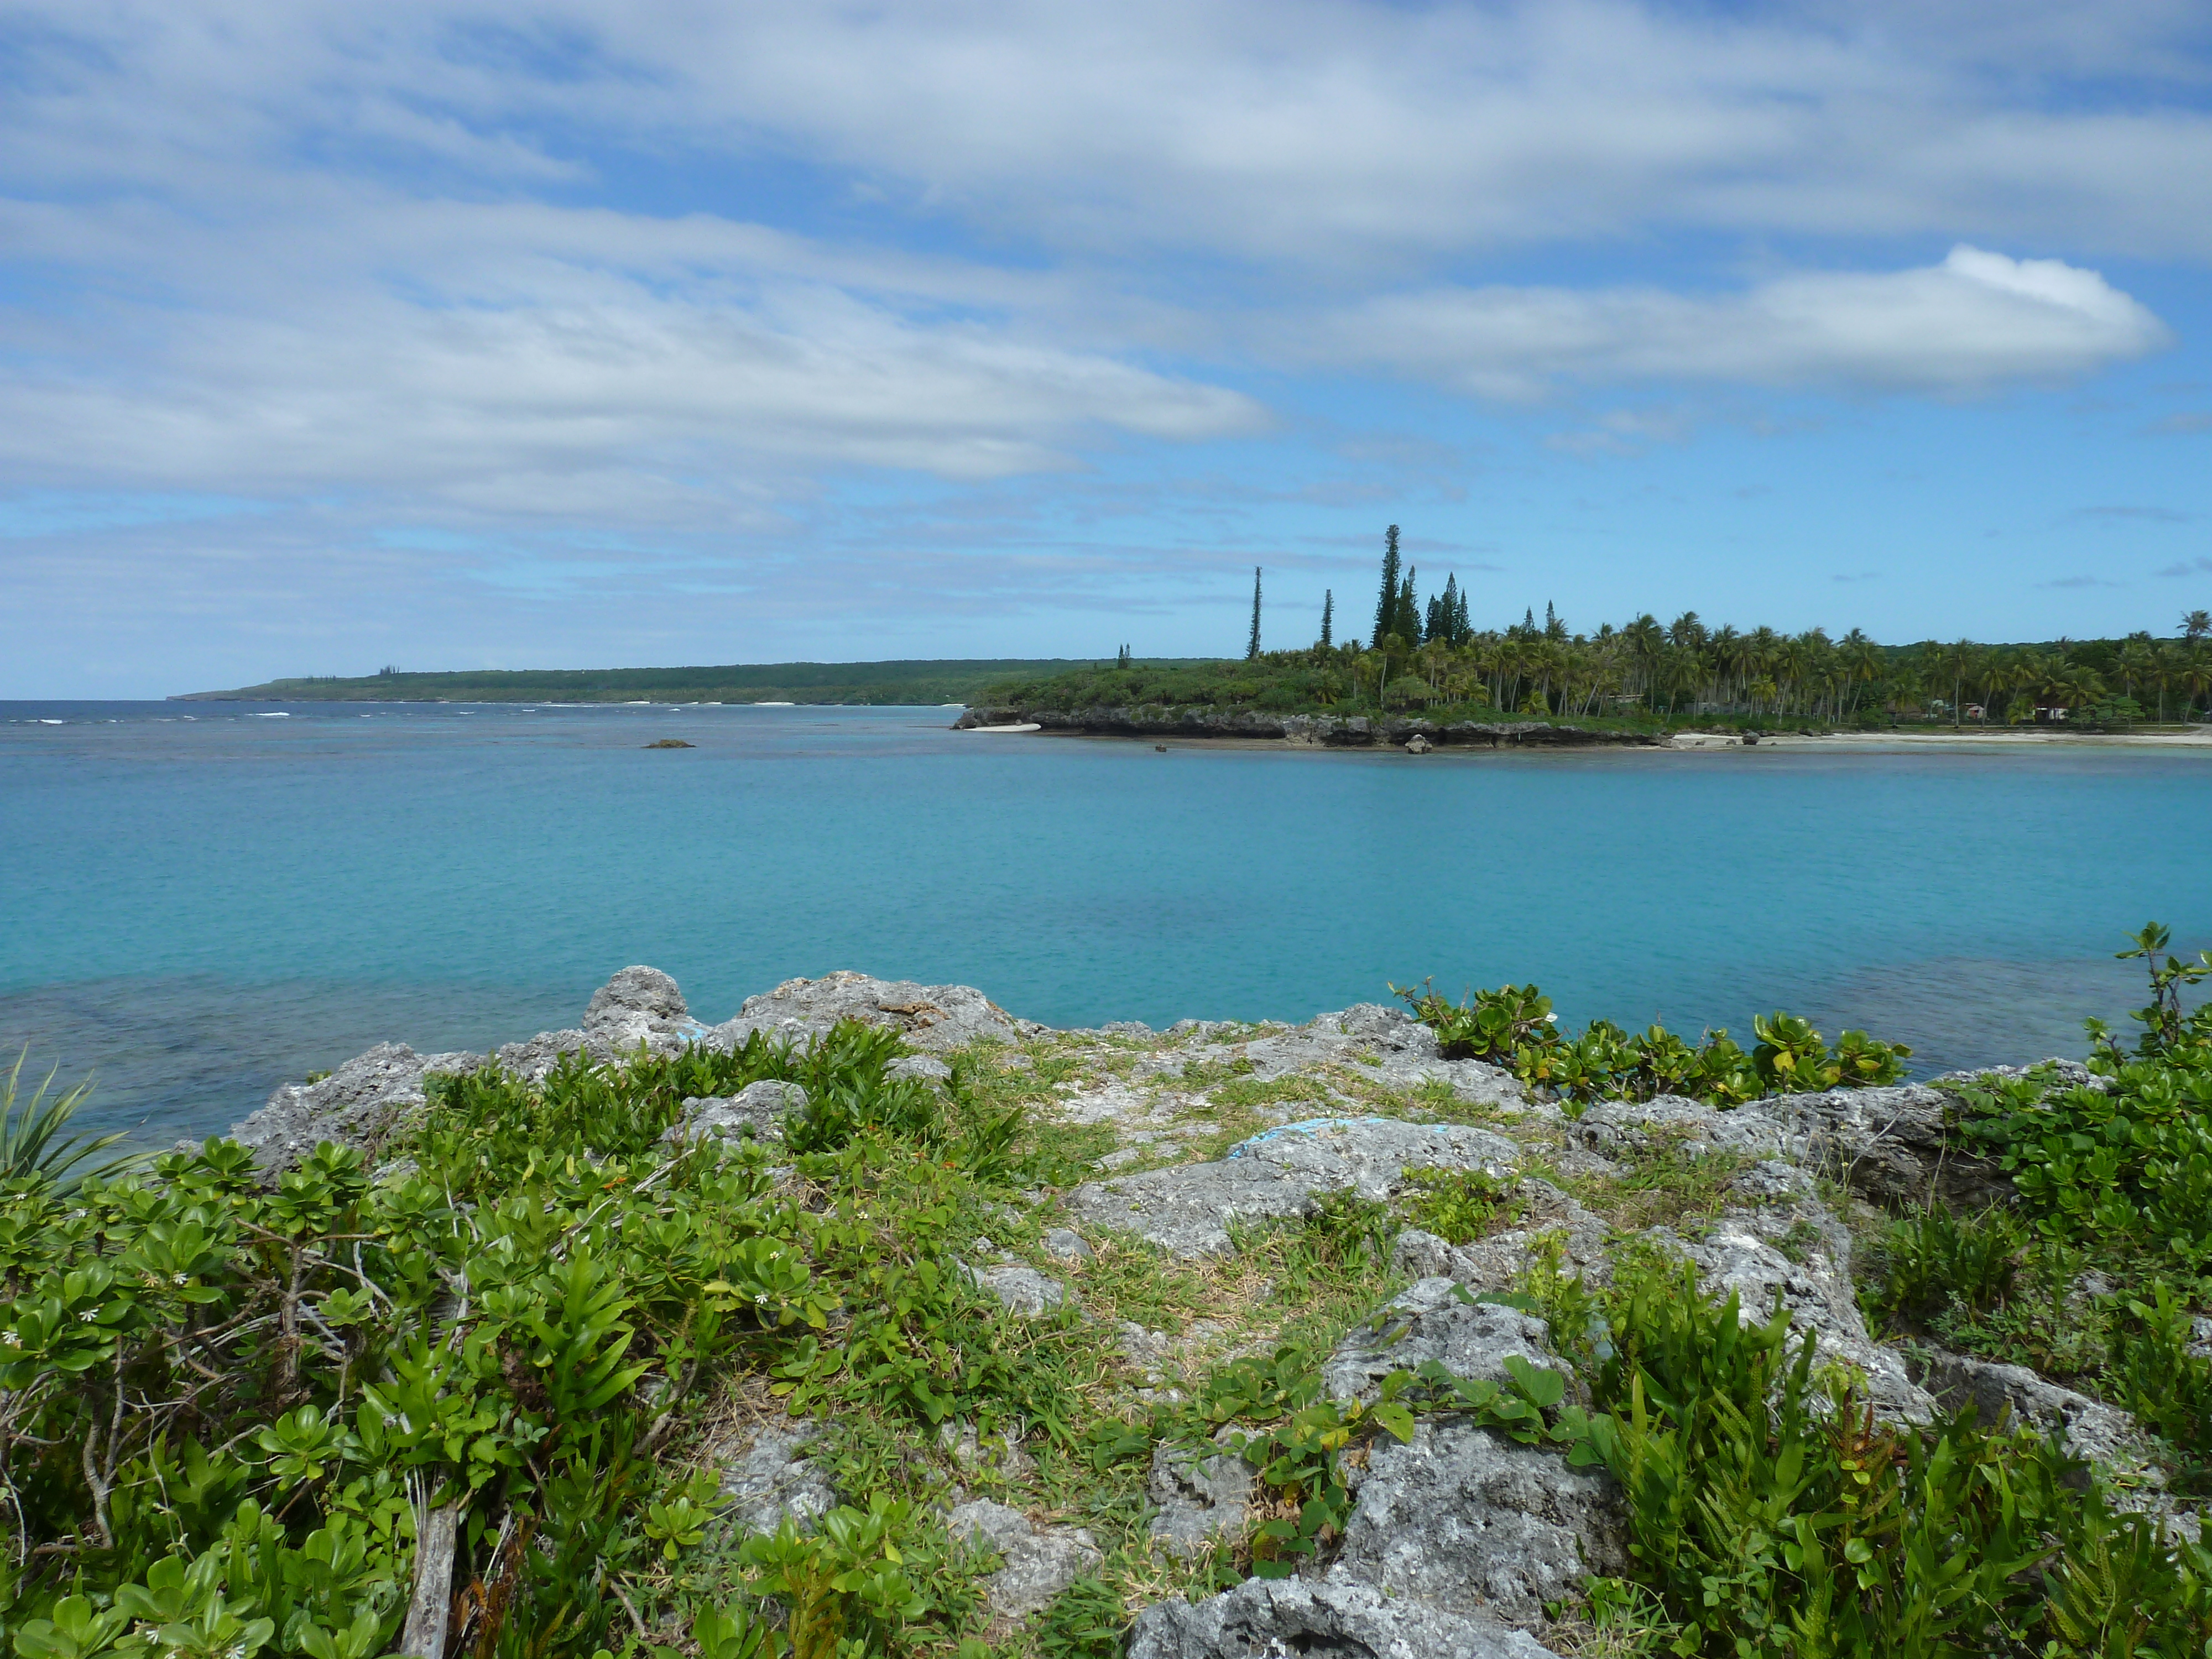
181 1278
1554 1019
90 1314
13 1339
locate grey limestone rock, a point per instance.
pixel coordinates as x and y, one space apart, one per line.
1465 1519
356 1105
534 1057
770 1479
1198 1496
2102 1434
929 1068
638 1006
1744 1251
1896 1146
1037 1562
1187 1210
1327 1618
1024 1291
935 1018
1389 1045
1068 1244
1496 1262
1436 1319
756 1112
1616 1127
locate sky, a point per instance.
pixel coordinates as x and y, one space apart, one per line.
461 336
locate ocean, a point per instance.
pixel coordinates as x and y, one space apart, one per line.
199 900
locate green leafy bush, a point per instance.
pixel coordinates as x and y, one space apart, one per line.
1514 1026
225 1406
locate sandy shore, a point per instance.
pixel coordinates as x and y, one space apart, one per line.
1967 737
1984 742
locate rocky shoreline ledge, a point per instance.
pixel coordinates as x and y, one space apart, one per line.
1313 730
1461 1539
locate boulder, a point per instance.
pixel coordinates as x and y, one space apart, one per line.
1436 1319
756 1112
1066 1244
1280 1176
935 1018
1198 1498
1326 1619
1392 1047
1895 1146
1496 1262
1618 1128
357 1105
769 1480
2099 1433
1797 1254
927 1068
1464 1519
1024 1291
638 1006
1037 1562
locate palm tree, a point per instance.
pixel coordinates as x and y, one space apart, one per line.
2196 624
1959 659
1862 660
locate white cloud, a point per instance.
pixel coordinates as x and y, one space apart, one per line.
527 378
1310 132
1976 321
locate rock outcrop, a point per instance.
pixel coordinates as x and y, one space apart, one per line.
1036 1563
1331 730
756 1112
1281 1174
1198 1498
768 1478
936 1018
1327 1618
357 1105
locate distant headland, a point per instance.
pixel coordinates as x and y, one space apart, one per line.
947 681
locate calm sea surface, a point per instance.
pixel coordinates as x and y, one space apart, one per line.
199 907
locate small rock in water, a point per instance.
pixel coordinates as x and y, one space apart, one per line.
668 742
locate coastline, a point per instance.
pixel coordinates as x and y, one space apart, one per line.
1246 729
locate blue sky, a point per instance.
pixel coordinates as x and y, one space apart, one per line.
459 336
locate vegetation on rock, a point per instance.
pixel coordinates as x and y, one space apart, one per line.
230 1407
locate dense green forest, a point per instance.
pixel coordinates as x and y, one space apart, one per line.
1429 658
952 680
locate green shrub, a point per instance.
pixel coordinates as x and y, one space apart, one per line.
1514 1026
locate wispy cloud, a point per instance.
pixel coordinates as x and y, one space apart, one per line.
2199 566
1976 321
2079 581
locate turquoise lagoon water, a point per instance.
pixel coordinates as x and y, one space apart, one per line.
199 908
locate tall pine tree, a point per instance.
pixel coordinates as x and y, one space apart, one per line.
1328 619
1252 648
1407 626
1386 607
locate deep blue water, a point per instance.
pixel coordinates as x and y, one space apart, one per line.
199 908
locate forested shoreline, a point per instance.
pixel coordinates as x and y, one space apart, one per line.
1428 656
